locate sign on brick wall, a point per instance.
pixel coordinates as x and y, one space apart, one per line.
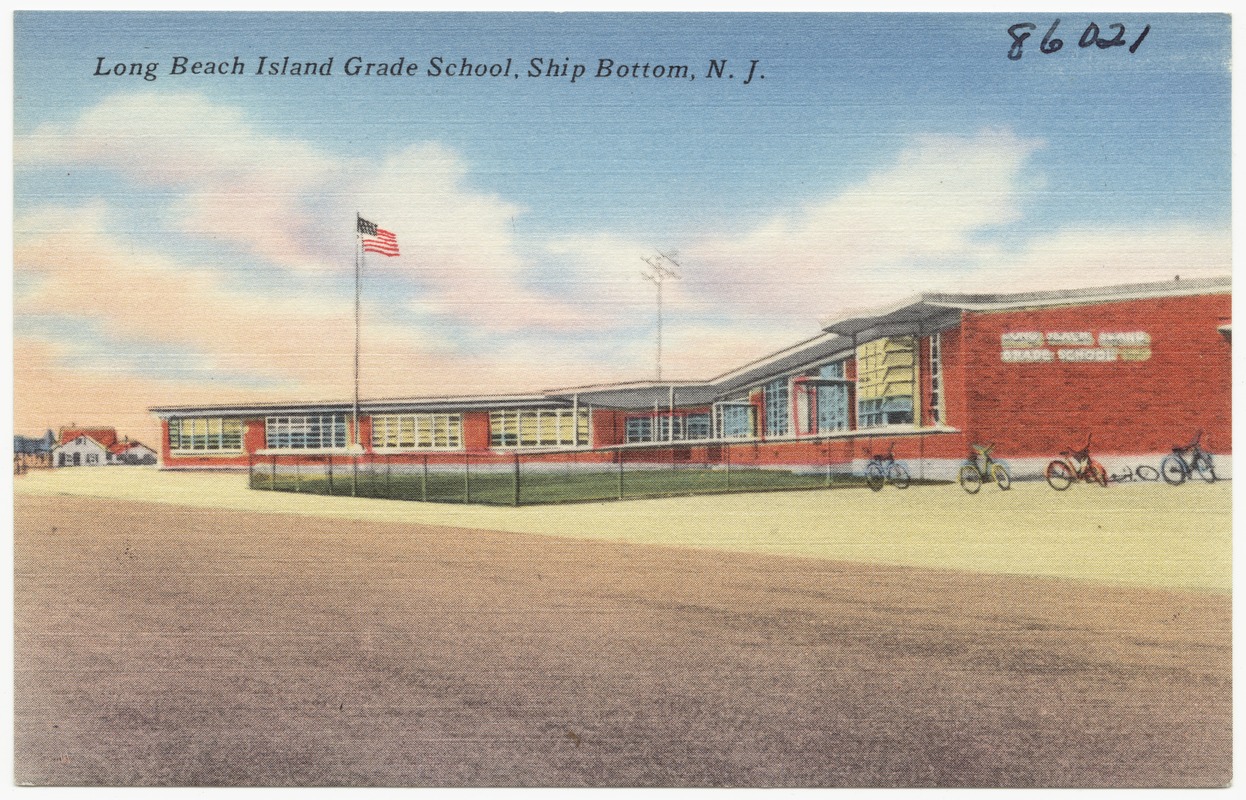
1038 347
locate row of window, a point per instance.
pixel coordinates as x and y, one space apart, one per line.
886 390
543 427
206 434
417 431
313 432
663 427
886 373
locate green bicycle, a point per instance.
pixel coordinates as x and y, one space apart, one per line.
972 475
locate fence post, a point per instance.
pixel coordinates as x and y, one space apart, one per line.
354 476
424 481
389 495
272 478
828 463
727 449
297 485
516 500
330 476
620 453
467 484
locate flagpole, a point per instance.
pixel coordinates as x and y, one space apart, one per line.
358 273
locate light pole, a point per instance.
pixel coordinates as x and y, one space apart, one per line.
657 273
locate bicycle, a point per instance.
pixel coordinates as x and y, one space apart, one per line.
1177 469
1075 465
971 475
883 468
1144 472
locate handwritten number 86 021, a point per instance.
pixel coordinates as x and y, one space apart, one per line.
1091 37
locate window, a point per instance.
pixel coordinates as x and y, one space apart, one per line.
206 434
698 426
539 427
832 408
936 380
885 372
737 420
832 371
314 432
686 426
93 458
776 400
417 431
639 429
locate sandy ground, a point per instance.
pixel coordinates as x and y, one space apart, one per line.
1132 534
175 644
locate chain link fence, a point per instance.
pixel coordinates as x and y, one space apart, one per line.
564 476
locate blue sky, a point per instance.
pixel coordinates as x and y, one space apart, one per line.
878 157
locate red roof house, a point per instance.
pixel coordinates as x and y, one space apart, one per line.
107 437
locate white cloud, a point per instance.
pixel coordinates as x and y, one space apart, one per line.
924 223
876 240
292 205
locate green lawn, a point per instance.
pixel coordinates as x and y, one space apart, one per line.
535 488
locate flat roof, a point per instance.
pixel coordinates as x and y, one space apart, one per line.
929 307
445 403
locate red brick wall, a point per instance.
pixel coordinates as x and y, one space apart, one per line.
164 442
1034 409
253 435
607 428
476 430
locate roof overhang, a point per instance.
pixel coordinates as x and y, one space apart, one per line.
913 317
640 394
929 313
385 405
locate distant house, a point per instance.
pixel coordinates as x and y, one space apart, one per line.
33 453
127 452
87 447
80 449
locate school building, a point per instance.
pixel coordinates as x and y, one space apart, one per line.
1140 368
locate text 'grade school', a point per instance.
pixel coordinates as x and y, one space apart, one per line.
437 67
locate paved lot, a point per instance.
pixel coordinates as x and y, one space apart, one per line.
1140 534
173 644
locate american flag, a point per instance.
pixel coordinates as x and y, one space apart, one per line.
377 240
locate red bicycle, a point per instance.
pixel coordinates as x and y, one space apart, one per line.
1075 465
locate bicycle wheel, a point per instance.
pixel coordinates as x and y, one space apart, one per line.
1146 473
1173 470
1059 475
970 478
1097 473
1202 465
875 477
1002 479
899 475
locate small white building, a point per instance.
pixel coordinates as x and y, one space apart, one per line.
126 452
91 447
81 451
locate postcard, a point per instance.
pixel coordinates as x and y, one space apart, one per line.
622 399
